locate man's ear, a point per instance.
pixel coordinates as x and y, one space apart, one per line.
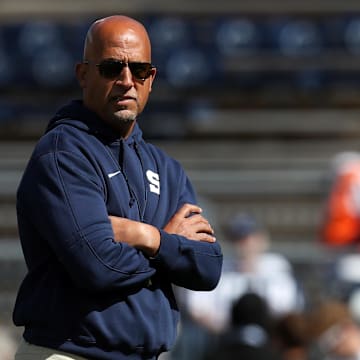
81 70
152 77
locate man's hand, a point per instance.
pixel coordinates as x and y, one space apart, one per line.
189 222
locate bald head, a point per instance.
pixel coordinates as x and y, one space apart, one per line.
109 31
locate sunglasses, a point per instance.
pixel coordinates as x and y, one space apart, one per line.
111 69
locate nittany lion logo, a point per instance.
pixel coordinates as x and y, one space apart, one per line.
154 181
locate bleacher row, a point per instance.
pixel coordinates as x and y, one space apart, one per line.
194 50
208 66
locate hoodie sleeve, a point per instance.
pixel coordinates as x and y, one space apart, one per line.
191 264
63 200
195 265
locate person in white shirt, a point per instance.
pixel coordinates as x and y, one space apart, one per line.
249 267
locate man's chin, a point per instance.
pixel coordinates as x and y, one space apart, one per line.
124 116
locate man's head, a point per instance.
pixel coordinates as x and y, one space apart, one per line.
115 74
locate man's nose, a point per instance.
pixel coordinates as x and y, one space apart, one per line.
125 77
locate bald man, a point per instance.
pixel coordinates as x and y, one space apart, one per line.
107 222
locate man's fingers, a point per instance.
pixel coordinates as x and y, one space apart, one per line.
188 209
189 223
200 224
206 237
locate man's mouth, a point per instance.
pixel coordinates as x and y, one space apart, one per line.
121 99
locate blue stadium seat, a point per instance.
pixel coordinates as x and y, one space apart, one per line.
43 55
53 68
188 67
237 36
298 37
6 70
34 36
167 33
333 28
73 36
309 79
352 36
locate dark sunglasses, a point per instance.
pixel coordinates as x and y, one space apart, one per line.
111 69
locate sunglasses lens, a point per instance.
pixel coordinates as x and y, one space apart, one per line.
110 69
140 70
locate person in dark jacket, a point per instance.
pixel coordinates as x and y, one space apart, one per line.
107 222
250 335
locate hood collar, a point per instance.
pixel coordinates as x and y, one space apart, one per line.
77 115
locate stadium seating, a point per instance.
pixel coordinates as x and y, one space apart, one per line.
253 104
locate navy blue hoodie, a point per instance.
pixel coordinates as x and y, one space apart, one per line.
84 293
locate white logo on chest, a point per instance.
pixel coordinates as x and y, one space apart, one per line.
154 181
114 174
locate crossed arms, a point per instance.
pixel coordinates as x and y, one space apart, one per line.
187 222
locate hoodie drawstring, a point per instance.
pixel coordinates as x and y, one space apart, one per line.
132 167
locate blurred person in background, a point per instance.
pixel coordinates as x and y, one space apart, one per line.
340 224
333 331
339 228
291 337
107 222
249 267
7 344
249 335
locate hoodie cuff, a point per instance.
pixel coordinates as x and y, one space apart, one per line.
169 249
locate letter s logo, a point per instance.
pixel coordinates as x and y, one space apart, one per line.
154 181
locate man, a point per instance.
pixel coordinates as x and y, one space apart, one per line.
107 221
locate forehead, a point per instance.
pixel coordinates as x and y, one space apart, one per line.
125 45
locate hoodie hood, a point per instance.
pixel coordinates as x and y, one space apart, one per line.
79 116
